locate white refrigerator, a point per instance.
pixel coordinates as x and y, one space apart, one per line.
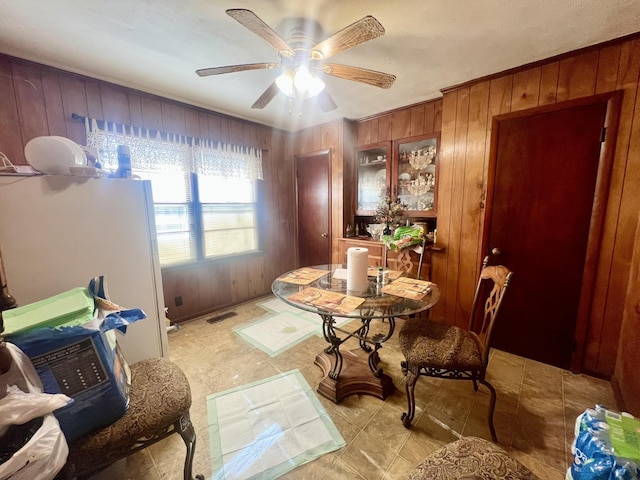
58 231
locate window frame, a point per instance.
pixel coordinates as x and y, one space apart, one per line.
194 206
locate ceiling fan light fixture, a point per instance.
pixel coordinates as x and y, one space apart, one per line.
285 83
299 83
307 83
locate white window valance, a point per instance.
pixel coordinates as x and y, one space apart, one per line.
225 160
156 151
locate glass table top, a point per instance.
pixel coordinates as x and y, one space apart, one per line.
376 303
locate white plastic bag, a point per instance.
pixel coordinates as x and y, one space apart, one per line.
44 455
41 458
19 407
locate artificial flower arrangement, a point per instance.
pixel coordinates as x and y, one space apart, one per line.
387 212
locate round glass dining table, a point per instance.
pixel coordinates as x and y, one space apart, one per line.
355 371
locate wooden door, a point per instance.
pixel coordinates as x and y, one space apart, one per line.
546 167
313 182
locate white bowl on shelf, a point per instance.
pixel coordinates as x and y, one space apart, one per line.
54 155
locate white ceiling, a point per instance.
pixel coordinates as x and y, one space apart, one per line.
156 45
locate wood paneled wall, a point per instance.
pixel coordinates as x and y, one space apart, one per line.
418 119
342 137
626 377
36 100
467 113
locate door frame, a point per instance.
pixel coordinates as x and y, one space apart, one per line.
613 101
326 152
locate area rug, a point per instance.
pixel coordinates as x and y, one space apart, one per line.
276 333
267 428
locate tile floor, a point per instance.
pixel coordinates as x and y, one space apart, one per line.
535 413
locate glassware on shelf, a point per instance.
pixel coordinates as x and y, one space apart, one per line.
375 230
420 185
419 159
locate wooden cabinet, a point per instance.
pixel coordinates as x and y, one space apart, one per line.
405 168
376 250
380 255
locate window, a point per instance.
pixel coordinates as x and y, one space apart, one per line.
229 220
174 214
204 192
202 217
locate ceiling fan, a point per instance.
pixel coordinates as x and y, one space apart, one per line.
302 59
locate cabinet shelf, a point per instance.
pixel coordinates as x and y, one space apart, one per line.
409 175
377 163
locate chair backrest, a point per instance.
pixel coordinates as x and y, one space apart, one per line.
404 262
492 285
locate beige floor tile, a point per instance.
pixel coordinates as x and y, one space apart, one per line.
541 469
313 470
588 391
534 417
428 433
369 455
341 470
386 429
544 377
398 470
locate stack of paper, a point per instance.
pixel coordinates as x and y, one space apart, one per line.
408 288
325 300
303 276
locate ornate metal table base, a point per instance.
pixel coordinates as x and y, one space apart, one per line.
351 372
355 377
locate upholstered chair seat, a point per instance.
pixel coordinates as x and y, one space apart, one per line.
159 402
471 458
427 343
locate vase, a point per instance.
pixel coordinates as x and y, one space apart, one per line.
387 230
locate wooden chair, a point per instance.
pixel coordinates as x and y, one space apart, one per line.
404 261
159 402
437 349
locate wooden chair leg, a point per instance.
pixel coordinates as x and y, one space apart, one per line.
412 378
492 407
185 428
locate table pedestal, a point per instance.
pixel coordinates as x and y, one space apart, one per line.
355 377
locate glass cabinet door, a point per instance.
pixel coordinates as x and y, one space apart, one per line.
415 173
372 174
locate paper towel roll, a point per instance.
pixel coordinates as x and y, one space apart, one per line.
357 265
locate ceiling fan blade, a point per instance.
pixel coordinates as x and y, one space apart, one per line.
251 21
204 72
363 30
326 101
267 96
357 74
